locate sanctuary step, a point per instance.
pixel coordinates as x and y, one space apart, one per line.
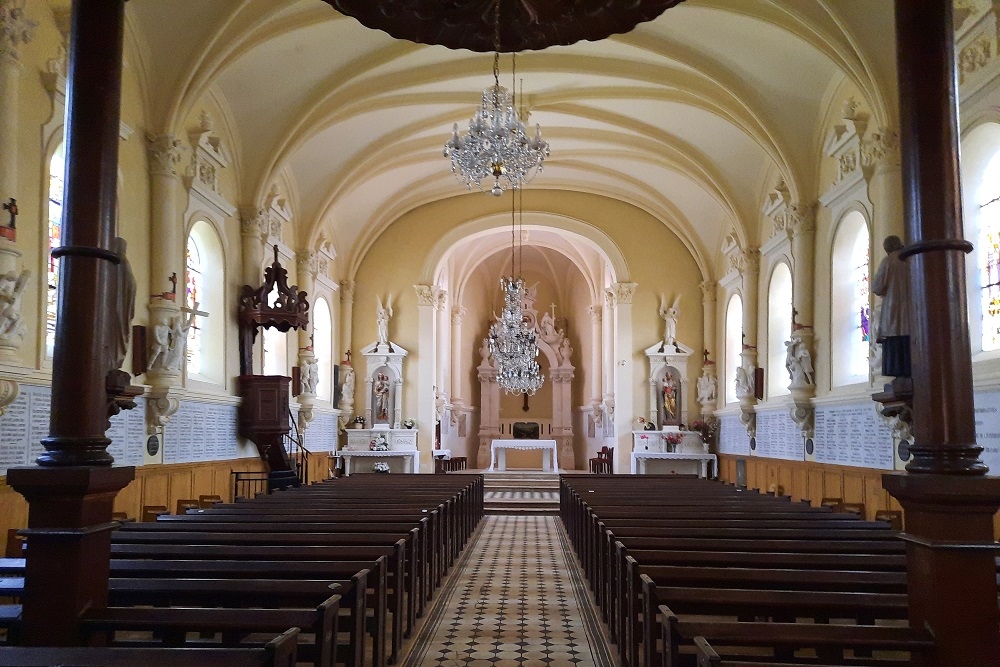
521 492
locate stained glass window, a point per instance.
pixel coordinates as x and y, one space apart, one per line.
861 271
194 299
989 267
55 210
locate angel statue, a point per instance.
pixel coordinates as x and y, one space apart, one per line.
382 315
669 316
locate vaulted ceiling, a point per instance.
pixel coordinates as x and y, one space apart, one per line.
687 116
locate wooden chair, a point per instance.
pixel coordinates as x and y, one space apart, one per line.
603 463
206 502
150 512
15 544
187 504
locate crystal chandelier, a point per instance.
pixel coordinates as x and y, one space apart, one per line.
497 145
511 340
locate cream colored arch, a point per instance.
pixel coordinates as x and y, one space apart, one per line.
601 242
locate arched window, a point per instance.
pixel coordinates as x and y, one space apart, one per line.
734 344
55 207
850 301
779 328
980 194
204 282
988 245
323 347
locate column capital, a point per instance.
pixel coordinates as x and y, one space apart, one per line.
307 262
426 295
624 292
253 221
165 152
347 291
708 289
15 29
748 261
440 298
881 148
801 219
595 313
458 315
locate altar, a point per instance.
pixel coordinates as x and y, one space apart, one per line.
498 453
674 463
402 455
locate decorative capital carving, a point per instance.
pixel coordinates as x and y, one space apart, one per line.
160 407
748 261
804 417
624 292
440 298
457 315
882 147
426 295
708 289
15 29
595 313
165 152
253 221
308 262
347 291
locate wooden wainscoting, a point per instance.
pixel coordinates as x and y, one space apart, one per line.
804 480
153 485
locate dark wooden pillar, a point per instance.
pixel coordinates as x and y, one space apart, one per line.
71 493
948 502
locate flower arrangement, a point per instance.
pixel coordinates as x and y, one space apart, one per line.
673 439
359 422
646 425
705 428
380 466
379 444
409 423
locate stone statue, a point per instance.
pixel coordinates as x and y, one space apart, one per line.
178 340
381 392
669 316
798 363
12 327
124 304
484 352
892 283
309 376
382 315
347 390
565 350
547 328
159 346
706 389
744 381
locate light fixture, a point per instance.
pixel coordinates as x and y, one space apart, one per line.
497 145
511 339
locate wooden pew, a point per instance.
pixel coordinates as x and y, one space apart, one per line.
173 623
280 652
829 641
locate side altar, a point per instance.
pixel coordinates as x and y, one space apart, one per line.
402 455
653 454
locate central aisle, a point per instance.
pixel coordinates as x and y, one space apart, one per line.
516 598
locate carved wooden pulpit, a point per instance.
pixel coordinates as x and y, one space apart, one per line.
264 415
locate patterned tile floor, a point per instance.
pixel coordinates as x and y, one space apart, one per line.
522 495
516 598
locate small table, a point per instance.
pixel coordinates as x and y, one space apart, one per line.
442 454
639 460
411 459
498 453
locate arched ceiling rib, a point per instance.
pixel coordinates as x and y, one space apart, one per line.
681 117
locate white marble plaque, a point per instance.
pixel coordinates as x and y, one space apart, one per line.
15 432
204 432
321 436
988 428
778 437
853 435
733 437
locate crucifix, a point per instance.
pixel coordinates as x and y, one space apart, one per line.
552 307
704 355
348 355
795 314
11 207
173 283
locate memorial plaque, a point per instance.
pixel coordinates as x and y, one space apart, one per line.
733 438
853 435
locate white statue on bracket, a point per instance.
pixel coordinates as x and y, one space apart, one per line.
382 315
744 381
670 316
12 327
798 363
706 389
310 376
347 390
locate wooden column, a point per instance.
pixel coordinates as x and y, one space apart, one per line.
949 505
71 495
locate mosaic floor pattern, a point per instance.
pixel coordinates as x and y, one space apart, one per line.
516 598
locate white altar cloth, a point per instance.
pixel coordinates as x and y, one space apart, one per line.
498 453
639 460
411 459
